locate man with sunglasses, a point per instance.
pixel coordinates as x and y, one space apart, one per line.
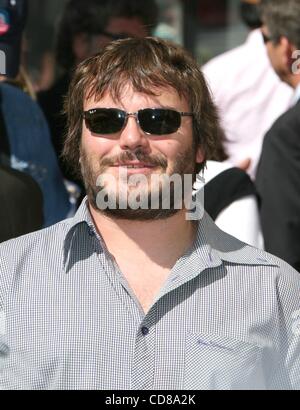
144 298
252 97
279 168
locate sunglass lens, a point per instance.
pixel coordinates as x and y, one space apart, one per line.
159 121
105 120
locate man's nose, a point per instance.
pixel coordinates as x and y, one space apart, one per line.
132 136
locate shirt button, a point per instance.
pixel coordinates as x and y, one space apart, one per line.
91 232
145 331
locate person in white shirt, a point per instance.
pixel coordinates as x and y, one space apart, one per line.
247 92
278 175
230 199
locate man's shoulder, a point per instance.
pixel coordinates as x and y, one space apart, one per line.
36 244
271 266
288 120
291 114
284 270
13 95
234 251
13 90
33 250
283 136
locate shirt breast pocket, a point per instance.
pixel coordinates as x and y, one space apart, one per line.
214 362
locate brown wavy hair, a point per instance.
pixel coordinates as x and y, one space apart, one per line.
147 64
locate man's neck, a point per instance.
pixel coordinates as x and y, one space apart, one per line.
161 241
294 81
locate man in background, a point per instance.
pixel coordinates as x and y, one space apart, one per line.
85 28
278 177
247 92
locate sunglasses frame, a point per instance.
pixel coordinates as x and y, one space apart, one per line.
87 115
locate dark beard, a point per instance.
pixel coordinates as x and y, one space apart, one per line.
185 163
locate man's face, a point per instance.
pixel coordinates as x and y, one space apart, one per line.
277 54
113 154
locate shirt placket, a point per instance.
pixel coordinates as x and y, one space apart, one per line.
143 364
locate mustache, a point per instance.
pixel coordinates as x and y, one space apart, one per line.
139 155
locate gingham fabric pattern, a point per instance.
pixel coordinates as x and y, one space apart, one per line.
227 318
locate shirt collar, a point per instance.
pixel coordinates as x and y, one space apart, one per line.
212 246
73 234
230 249
82 215
255 39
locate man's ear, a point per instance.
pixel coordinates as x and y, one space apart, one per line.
287 52
200 157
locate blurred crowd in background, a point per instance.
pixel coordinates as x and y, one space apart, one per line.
206 28
252 186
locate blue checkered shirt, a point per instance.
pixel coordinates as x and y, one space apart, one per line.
227 318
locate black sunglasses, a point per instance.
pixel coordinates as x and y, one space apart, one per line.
154 121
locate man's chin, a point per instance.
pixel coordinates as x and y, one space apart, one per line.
125 212
140 215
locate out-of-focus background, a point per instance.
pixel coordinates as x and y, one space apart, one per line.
205 27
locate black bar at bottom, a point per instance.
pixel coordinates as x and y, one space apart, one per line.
143 399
